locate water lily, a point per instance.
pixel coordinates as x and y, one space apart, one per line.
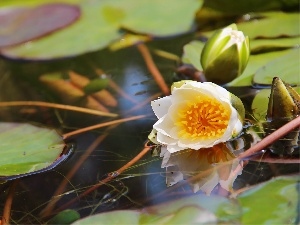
195 116
225 55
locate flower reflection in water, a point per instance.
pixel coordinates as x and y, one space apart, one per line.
208 167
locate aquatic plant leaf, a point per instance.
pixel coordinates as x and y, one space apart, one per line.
112 218
67 216
285 67
245 6
96 85
27 149
272 202
198 209
265 45
100 24
254 64
21 24
160 18
192 54
271 25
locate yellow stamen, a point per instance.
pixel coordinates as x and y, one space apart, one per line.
203 118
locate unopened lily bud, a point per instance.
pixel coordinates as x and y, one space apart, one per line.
284 106
225 55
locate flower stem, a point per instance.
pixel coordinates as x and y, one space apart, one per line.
72 133
271 138
110 176
8 203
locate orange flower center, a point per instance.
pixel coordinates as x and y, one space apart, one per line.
202 118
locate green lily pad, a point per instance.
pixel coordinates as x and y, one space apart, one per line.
198 209
100 24
284 197
160 18
26 149
285 67
271 25
192 54
264 45
67 216
255 63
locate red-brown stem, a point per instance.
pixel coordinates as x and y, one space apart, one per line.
153 68
50 206
8 202
57 106
107 179
72 133
285 129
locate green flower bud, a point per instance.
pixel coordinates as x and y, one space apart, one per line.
225 55
284 105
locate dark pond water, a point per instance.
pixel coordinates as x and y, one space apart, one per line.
137 186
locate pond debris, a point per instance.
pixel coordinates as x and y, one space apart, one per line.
71 91
284 106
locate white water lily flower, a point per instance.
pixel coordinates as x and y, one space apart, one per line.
196 115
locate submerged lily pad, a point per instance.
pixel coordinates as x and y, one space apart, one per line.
21 24
26 149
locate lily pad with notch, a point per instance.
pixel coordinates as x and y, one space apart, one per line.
26 149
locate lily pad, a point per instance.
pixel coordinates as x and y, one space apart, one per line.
285 67
27 149
192 54
265 45
271 25
21 24
191 210
100 24
94 30
283 193
254 64
160 18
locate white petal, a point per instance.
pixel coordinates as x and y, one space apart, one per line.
174 148
161 106
208 88
165 140
164 125
173 175
237 128
232 123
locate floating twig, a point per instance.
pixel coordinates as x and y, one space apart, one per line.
57 106
153 68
